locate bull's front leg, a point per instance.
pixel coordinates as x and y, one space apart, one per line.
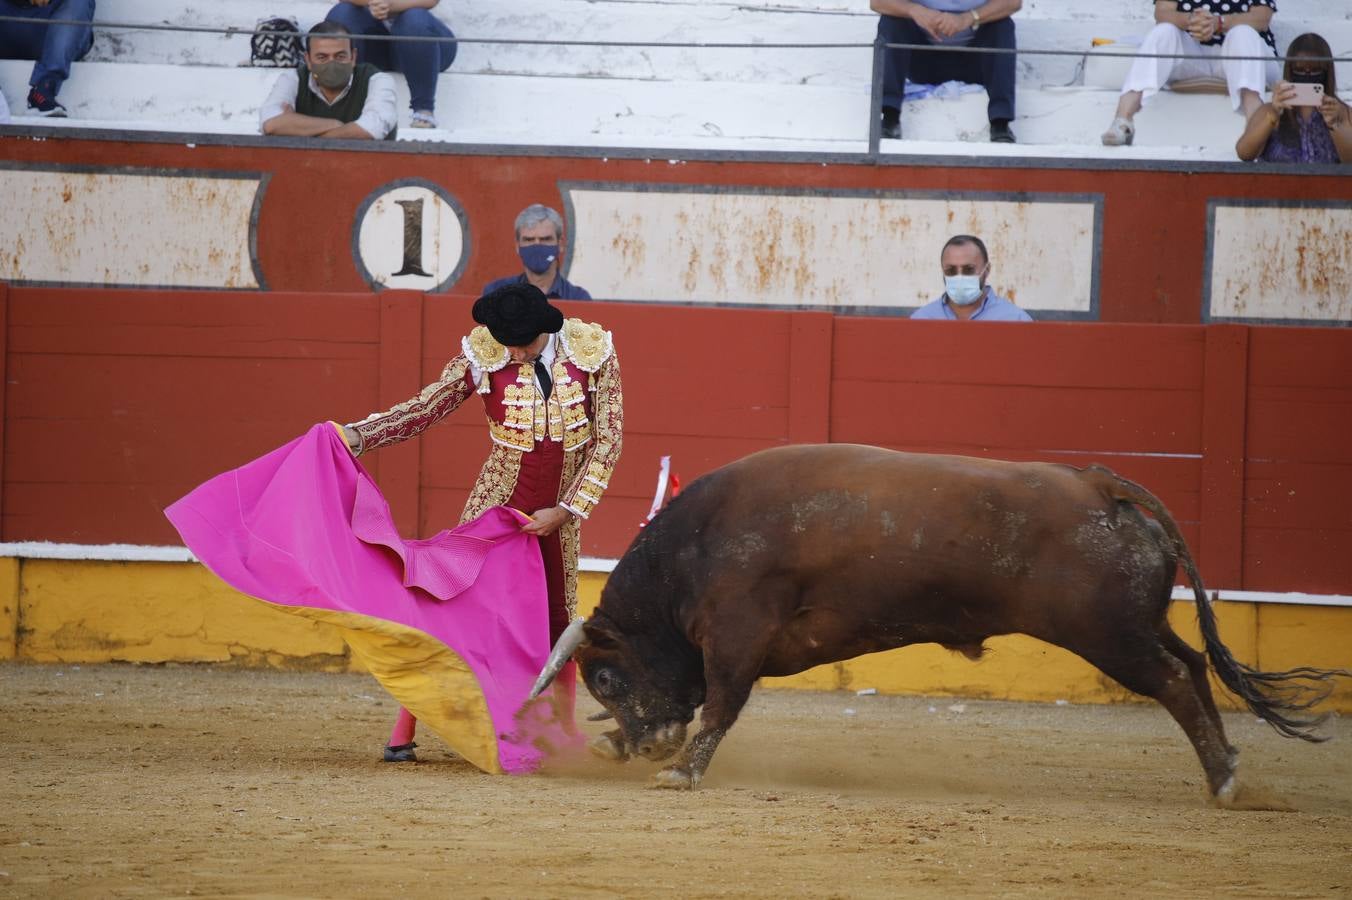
728 682
689 768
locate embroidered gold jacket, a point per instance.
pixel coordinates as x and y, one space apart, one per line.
585 413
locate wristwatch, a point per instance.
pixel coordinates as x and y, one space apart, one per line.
976 20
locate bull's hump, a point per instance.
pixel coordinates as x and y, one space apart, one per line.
850 491
825 458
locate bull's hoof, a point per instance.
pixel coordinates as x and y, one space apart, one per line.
1233 795
675 778
1228 794
607 747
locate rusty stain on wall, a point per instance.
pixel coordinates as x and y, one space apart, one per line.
1292 263
795 250
144 230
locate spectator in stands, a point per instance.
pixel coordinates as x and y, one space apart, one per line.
54 47
974 23
1226 34
539 240
966 296
1281 132
420 61
332 95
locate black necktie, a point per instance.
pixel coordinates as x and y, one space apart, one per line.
546 383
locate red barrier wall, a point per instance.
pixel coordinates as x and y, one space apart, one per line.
1297 472
118 402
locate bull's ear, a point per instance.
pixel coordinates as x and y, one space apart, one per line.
600 636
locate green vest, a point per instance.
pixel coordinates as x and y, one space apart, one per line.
349 108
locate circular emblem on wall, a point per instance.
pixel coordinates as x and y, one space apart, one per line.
410 234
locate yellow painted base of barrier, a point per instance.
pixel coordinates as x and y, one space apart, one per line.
85 611
77 611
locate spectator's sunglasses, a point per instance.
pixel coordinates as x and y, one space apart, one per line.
1313 70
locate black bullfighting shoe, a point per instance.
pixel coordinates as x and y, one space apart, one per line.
402 753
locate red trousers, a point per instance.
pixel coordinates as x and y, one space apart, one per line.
537 487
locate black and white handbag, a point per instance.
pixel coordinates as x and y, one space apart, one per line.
276 43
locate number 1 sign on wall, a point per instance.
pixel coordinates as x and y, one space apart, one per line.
410 234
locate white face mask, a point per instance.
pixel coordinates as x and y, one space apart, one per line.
963 290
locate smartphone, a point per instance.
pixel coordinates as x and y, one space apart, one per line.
1308 95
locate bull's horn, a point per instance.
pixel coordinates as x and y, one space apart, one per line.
601 716
569 641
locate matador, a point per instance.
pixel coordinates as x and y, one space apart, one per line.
551 393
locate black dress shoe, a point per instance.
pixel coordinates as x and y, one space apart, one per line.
891 123
402 753
1000 133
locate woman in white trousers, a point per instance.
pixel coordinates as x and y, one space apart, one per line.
1186 33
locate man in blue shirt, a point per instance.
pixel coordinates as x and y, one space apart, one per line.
967 297
539 236
950 23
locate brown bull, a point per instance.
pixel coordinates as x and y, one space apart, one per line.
805 555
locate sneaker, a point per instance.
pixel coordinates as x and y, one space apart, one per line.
42 100
1119 134
1000 132
401 753
422 118
892 123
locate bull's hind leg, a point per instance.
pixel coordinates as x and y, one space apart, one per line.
1201 680
1141 663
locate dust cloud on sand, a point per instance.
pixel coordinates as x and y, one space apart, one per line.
124 781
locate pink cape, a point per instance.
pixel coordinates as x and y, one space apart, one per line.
306 528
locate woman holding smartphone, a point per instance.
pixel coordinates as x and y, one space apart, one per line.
1305 122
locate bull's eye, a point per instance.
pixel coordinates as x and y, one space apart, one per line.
605 682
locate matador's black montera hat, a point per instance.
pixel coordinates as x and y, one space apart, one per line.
516 314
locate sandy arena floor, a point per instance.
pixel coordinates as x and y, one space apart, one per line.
127 781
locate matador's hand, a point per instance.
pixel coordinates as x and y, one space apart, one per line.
545 522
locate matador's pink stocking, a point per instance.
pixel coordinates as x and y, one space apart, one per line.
404 726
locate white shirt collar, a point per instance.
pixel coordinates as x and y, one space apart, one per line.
547 355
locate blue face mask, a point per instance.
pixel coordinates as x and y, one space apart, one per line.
963 290
538 257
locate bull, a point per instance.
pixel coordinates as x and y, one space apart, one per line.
804 555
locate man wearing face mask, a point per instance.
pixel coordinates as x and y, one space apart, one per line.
332 95
539 239
966 266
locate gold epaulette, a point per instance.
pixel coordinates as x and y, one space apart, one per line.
586 344
482 350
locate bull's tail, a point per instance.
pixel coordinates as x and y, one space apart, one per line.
1278 698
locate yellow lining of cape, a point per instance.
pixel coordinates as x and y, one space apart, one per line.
423 674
